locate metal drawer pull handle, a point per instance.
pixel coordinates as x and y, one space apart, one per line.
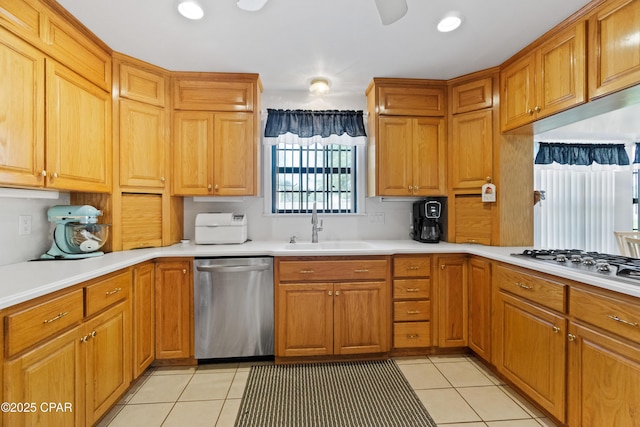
306 271
413 336
626 322
523 286
115 291
413 267
58 317
232 268
413 289
88 337
364 270
413 312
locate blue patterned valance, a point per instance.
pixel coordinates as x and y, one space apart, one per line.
582 154
345 127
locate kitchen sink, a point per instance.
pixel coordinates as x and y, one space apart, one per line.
330 245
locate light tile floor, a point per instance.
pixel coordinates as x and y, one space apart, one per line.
458 391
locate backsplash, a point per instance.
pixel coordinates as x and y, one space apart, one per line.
16 247
383 221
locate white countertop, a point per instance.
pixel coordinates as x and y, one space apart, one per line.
27 280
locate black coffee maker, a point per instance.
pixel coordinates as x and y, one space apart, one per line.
429 220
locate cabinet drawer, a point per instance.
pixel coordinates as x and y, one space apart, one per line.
411 310
616 316
411 334
332 270
33 324
544 292
411 266
411 100
208 94
106 292
472 96
411 288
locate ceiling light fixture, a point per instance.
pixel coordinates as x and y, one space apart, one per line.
251 5
319 86
391 10
190 9
449 22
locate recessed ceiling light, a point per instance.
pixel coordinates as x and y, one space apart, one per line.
190 9
251 5
449 22
319 86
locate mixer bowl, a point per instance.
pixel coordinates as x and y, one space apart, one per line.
84 238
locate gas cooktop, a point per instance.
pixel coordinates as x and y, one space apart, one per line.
615 267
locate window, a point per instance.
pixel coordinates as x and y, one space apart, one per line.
324 174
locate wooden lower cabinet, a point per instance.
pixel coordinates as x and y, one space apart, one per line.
452 300
174 309
480 307
323 319
531 351
604 380
51 372
85 370
108 360
143 318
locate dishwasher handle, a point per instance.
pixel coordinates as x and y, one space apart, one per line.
232 268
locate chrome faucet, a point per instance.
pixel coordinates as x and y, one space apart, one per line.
314 224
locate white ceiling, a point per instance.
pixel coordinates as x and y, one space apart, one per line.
289 42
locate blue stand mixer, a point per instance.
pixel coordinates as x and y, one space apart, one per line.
77 233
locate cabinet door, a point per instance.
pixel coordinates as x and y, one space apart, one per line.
235 155
531 351
22 112
394 157
193 154
561 66
614 48
174 310
78 134
471 156
142 145
480 307
452 301
108 359
143 318
304 319
361 318
428 160
52 372
517 93
604 380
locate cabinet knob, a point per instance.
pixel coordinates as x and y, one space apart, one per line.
55 174
209 187
411 188
43 173
442 266
337 293
416 188
184 271
556 329
162 179
537 109
571 337
216 187
530 111
330 293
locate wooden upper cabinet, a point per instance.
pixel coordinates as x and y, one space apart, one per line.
22 110
410 156
234 155
193 153
214 92
143 145
614 47
410 99
471 149
142 85
548 80
23 17
472 96
78 129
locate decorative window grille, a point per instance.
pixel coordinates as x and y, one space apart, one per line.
324 174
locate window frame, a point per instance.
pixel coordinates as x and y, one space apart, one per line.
359 178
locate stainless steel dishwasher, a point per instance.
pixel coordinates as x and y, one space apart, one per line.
233 307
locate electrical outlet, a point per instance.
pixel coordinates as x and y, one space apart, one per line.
376 218
24 224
